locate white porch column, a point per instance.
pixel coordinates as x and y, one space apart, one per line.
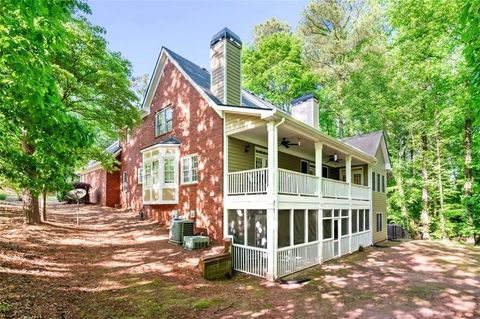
369 180
272 194
348 172
348 179
318 173
318 166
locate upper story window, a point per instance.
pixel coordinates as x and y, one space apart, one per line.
163 121
189 169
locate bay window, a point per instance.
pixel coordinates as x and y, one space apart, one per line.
160 169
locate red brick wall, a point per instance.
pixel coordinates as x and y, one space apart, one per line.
200 130
113 189
97 179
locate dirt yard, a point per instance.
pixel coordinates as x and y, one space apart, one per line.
115 266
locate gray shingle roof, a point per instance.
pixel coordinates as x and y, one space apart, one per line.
169 140
201 77
368 142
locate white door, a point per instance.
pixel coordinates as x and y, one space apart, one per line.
336 237
261 158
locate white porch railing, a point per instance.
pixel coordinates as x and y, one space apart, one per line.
253 181
360 192
293 183
292 259
363 238
334 188
250 260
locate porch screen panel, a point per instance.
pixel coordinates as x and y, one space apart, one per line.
298 226
360 220
312 225
257 228
283 228
354 221
345 222
236 225
327 224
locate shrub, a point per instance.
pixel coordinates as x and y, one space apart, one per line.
3 196
360 248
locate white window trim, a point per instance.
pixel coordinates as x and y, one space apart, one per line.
162 154
381 223
162 112
187 157
124 181
259 155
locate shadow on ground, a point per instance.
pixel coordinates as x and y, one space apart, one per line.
116 266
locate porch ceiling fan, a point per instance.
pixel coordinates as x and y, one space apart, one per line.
334 158
287 143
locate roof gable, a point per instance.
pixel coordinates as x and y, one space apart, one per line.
370 143
200 78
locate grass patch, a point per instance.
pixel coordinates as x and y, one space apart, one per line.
202 303
5 308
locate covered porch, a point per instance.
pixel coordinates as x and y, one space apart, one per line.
304 165
294 196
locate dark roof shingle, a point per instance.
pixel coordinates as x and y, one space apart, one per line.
367 143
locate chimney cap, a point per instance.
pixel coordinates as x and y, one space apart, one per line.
303 98
224 33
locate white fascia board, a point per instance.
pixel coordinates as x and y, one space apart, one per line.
386 157
199 89
157 75
246 111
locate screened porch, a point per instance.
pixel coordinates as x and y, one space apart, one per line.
303 238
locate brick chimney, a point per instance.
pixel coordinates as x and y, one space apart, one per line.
226 67
305 109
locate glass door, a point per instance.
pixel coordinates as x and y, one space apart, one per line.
336 241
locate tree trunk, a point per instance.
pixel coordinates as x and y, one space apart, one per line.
31 207
468 172
439 174
424 216
44 211
401 193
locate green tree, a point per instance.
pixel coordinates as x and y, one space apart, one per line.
59 87
268 28
273 69
337 36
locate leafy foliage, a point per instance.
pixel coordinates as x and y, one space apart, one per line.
411 69
274 69
60 87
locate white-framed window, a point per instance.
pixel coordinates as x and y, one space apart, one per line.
383 183
124 181
379 222
357 175
160 179
261 157
163 121
140 175
189 169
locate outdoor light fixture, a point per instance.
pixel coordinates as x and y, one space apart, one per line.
247 148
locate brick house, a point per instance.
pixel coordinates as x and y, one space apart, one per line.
289 195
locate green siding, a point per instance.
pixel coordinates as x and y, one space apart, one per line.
379 200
